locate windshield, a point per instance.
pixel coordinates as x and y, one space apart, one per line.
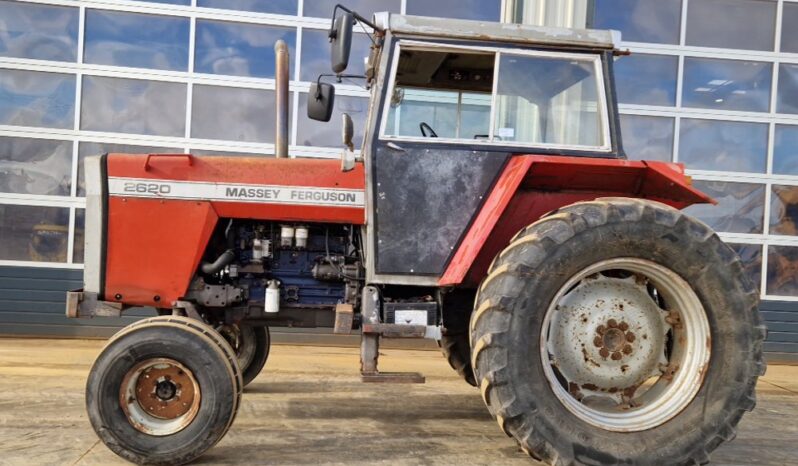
505 97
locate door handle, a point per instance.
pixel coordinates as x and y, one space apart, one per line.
396 147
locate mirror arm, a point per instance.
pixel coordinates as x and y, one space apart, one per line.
338 78
355 14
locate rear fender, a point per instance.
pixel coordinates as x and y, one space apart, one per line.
532 185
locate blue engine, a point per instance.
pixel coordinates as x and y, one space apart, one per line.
310 262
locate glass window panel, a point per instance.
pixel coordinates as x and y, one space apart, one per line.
133 106
80 228
42 32
33 233
239 49
451 114
733 24
782 271
233 114
646 79
366 8
789 28
284 7
740 209
35 166
640 20
315 58
86 149
784 210
557 107
34 98
647 137
723 145
785 150
751 255
320 134
486 10
727 84
788 89
136 40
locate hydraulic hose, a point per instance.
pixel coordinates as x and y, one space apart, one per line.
210 268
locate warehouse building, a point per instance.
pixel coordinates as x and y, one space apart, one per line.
711 83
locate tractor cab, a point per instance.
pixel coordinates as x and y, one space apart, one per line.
452 102
506 87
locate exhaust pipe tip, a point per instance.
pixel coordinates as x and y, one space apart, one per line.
281 99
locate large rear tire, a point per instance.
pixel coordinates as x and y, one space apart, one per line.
617 331
163 391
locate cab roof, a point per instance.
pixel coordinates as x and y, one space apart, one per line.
552 37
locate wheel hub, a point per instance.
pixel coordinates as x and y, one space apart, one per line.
625 344
159 396
594 340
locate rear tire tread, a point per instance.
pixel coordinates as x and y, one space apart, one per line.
504 280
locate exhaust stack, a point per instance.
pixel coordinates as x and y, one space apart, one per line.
281 99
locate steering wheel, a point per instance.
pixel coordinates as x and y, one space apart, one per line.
424 127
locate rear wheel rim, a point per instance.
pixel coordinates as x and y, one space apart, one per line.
625 344
159 396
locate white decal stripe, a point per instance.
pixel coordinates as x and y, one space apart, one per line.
235 192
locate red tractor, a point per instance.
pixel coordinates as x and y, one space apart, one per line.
491 208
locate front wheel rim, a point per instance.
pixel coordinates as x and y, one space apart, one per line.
625 344
159 396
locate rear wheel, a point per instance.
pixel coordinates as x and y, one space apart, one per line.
617 331
454 343
163 391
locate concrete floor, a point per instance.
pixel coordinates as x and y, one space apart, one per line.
308 408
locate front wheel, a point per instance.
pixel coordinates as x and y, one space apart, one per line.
617 331
163 391
251 345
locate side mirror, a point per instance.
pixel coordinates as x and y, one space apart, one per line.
341 41
348 154
321 100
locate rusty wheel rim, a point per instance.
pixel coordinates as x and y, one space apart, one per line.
159 396
625 344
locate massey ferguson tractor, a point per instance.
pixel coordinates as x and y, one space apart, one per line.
491 207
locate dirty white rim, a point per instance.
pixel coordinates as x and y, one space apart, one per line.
159 396
583 357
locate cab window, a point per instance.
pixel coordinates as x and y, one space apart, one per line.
441 94
497 96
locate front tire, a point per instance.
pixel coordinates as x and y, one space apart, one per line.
163 391
251 345
617 331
